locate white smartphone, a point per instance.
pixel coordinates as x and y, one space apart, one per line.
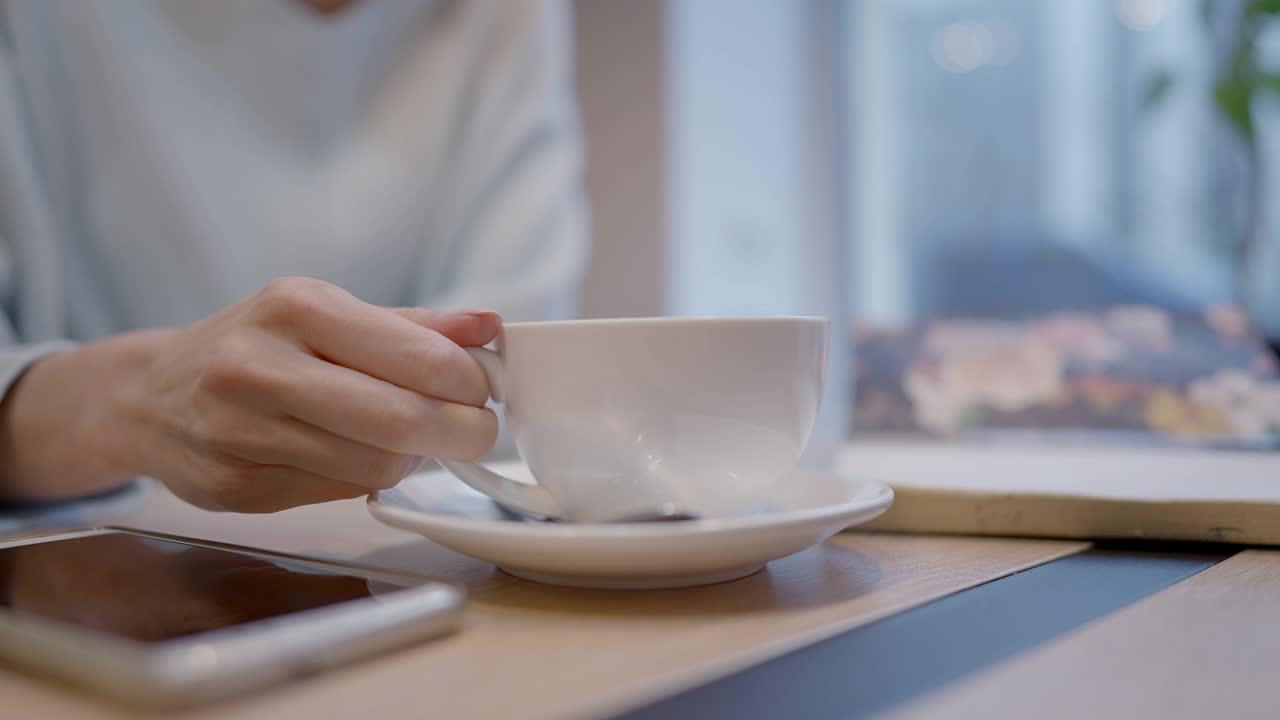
164 621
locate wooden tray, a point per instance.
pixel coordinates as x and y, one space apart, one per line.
1074 492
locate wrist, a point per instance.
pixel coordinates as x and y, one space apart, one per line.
69 426
116 431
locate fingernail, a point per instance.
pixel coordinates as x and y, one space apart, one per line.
479 313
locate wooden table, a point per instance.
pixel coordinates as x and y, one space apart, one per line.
533 651
1203 647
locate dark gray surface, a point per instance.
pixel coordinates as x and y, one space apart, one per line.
870 669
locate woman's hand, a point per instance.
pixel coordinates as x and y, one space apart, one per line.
299 394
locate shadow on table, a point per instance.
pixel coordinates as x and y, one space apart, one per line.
828 574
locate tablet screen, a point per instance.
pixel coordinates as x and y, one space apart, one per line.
152 590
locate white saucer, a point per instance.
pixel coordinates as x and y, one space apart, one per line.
811 507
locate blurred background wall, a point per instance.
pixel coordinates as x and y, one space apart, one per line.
980 140
620 82
909 162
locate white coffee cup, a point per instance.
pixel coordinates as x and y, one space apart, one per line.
625 417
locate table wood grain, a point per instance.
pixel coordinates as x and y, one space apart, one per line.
1204 648
529 650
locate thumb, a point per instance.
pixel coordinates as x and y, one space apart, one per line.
468 328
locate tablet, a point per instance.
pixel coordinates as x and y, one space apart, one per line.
162 620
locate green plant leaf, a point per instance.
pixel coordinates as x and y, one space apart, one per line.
1269 81
1158 88
1233 98
1263 7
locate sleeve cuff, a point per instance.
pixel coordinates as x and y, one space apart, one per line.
74 513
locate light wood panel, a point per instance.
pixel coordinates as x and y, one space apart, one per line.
529 650
1075 492
1204 648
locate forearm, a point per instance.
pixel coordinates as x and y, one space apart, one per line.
65 425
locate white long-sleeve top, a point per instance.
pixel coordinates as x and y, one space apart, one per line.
162 159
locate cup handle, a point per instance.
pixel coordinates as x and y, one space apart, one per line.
522 497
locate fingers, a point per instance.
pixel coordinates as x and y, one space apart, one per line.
304 394
383 344
293 443
271 488
376 413
468 328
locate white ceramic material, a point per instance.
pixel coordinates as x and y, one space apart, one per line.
807 508
616 417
